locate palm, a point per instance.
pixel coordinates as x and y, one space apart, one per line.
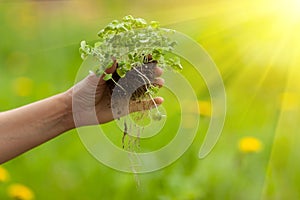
91 101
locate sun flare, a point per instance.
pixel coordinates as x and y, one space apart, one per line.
288 10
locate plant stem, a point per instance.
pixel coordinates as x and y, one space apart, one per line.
116 83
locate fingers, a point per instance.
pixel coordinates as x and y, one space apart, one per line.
159 82
91 79
158 100
158 71
145 105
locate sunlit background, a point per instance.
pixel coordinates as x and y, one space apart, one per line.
256 46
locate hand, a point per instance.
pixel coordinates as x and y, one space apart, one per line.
91 99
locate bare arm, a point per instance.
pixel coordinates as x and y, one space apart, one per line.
26 127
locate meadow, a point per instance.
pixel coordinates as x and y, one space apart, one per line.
256 47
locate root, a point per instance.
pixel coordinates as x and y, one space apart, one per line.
143 78
124 134
117 84
143 75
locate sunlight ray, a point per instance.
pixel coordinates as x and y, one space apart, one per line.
280 180
264 74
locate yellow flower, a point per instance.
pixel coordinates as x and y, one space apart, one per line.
204 108
20 192
22 86
4 175
250 144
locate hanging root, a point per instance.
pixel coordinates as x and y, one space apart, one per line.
124 134
137 139
143 77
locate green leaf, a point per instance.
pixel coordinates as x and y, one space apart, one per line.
107 77
100 33
127 18
130 56
97 44
140 23
83 44
127 66
154 24
121 72
129 41
152 90
121 64
175 63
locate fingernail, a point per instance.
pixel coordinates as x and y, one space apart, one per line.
159 100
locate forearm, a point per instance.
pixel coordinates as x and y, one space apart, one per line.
29 126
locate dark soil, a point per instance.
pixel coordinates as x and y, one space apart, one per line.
133 88
133 83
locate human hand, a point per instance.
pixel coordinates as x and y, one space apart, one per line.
91 99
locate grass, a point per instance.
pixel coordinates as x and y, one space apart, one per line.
256 60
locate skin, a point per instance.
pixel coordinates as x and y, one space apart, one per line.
24 128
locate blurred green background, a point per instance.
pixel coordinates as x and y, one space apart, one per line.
256 46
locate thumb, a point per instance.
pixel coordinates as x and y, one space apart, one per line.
92 79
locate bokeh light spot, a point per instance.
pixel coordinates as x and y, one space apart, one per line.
22 86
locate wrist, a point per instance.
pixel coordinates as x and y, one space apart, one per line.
68 120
